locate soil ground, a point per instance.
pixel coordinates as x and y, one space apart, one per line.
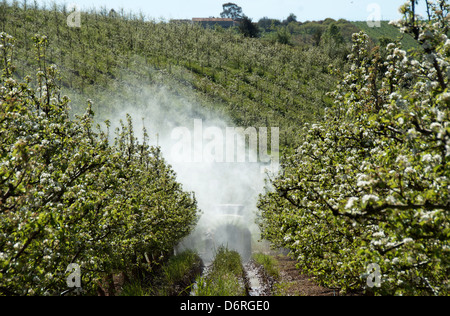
293 283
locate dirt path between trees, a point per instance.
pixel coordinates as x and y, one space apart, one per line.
258 282
293 283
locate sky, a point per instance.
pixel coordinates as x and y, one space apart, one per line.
305 10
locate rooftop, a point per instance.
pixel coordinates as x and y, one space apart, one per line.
212 20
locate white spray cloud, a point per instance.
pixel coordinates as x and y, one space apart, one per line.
226 192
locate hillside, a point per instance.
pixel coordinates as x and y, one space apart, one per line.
387 33
318 33
253 82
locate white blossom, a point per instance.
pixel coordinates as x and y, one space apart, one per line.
408 240
427 158
391 200
401 159
351 202
370 197
435 126
444 97
378 235
447 45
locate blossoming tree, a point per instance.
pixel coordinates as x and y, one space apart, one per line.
68 196
370 184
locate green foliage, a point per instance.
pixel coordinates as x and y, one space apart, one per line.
69 196
320 32
267 25
291 18
387 31
174 278
254 82
225 277
281 36
135 288
371 183
268 262
333 34
311 33
248 28
231 11
227 261
179 266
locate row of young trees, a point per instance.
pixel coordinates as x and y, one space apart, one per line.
254 82
369 187
70 195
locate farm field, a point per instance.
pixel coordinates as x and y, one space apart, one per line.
144 157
